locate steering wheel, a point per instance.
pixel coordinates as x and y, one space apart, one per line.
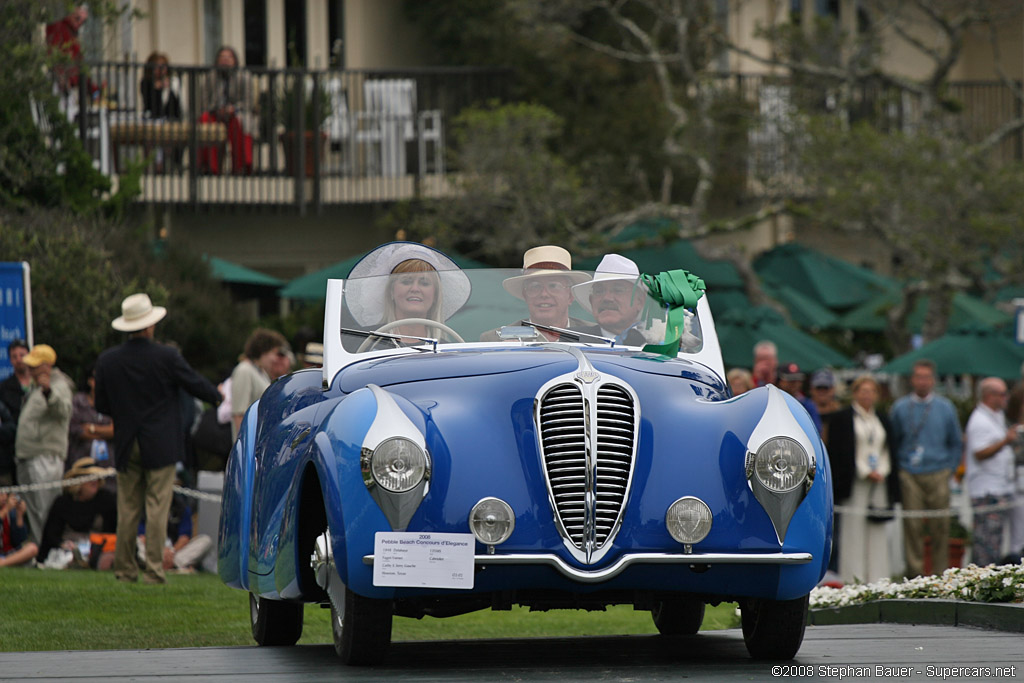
369 341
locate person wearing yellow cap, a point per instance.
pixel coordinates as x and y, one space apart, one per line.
41 443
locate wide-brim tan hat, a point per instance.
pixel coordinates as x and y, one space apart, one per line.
540 262
138 313
612 267
366 285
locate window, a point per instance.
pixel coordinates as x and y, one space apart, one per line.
295 32
256 32
212 29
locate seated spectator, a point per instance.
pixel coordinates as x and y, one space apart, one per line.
80 510
183 550
228 98
90 431
15 548
160 90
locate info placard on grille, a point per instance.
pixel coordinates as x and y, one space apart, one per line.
418 560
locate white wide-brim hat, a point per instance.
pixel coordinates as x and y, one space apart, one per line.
138 313
612 267
540 262
367 282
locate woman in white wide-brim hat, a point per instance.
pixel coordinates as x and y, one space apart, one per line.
403 280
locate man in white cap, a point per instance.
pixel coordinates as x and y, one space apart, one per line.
41 442
546 287
138 385
615 297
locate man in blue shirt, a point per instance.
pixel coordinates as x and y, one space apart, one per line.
928 444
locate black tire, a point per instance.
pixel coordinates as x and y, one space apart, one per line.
363 633
678 617
275 622
774 629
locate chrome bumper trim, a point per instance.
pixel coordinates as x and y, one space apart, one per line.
626 561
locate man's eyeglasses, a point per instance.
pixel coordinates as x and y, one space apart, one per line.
535 288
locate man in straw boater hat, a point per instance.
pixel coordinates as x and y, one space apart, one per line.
546 286
41 442
138 384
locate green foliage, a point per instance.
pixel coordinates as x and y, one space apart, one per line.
82 268
52 168
510 177
88 610
316 105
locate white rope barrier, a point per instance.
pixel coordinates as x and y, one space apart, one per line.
926 514
109 472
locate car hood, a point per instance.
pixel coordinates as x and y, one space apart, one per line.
450 364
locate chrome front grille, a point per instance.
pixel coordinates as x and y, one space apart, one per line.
588 442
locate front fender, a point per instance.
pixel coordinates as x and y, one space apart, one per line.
236 506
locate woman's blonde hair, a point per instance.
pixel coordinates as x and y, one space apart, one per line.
861 380
412 266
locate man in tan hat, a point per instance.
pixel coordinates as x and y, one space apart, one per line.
41 443
546 286
138 385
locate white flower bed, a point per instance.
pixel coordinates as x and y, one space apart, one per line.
972 583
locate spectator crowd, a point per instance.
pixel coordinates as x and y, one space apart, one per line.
87 476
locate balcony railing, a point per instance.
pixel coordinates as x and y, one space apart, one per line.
308 139
292 137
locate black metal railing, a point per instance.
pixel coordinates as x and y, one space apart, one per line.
294 137
309 138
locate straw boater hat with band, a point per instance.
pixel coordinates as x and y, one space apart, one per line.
367 282
81 468
138 313
612 267
540 262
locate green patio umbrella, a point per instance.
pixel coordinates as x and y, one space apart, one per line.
967 351
967 311
739 330
833 283
805 311
226 271
676 255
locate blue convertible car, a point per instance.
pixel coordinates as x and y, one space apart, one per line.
456 453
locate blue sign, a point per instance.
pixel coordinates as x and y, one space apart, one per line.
15 310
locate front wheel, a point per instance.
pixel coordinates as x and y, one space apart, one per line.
361 628
275 622
774 629
678 617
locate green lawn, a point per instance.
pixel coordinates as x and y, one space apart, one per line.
86 610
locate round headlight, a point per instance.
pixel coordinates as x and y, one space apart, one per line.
781 464
492 521
688 520
398 464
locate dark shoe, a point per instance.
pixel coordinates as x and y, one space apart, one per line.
152 580
126 579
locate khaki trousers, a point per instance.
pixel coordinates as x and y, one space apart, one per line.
140 489
929 491
41 469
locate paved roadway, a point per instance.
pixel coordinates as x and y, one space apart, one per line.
828 653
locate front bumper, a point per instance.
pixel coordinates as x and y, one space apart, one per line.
624 562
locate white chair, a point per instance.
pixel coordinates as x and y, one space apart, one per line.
387 123
429 130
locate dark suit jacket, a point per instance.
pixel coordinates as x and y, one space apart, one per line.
841 446
137 384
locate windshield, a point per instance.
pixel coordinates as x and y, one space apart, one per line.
420 310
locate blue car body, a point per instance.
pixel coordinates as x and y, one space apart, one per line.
298 466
